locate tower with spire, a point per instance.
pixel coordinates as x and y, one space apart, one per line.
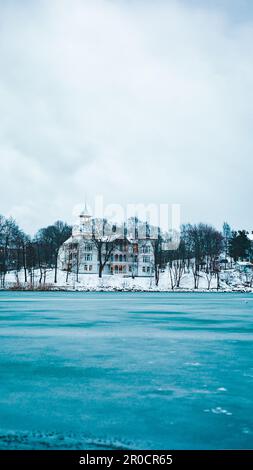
84 216
84 226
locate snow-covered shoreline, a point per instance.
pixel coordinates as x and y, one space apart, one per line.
230 281
182 291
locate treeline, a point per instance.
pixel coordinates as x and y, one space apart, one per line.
202 248
19 251
199 250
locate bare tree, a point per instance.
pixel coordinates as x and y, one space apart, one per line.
154 234
51 238
104 236
203 245
11 240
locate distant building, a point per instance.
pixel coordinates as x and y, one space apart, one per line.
132 253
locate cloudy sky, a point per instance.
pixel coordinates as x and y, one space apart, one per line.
137 100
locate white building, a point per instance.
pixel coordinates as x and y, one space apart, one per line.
124 251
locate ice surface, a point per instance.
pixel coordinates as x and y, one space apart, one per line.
126 370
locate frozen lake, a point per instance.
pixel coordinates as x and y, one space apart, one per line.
126 370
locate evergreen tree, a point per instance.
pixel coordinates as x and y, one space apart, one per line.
239 245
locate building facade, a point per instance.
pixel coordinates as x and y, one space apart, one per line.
126 252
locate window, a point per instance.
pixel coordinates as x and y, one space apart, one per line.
73 246
88 247
85 267
120 258
146 259
111 257
146 249
124 258
130 268
143 269
87 257
148 269
90 267
135 248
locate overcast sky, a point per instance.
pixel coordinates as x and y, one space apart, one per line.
141 101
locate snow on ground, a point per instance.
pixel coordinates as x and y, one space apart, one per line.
230 279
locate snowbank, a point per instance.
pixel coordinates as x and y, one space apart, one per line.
230 280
